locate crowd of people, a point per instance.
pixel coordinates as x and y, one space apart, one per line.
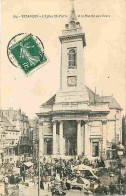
56 173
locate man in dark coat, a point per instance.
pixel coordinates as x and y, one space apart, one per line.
41 183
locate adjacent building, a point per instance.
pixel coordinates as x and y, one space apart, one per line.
124 130
9 137
14 126
17 118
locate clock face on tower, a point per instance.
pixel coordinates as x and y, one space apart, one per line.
72 80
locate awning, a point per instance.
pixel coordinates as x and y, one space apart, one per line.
82 167
16 170
28 164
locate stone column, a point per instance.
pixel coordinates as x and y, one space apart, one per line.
41 138
79 137
54 137
61 137
87 140
104 135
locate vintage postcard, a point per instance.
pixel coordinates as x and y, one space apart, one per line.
63 98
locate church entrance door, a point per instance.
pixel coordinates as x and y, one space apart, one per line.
48 146
70 135
95 149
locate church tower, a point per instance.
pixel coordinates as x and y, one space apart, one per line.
72 83
76 121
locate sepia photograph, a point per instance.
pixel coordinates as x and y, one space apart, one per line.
63 98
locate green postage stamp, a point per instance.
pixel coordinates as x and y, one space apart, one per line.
27 53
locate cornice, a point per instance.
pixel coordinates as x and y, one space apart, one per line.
72 37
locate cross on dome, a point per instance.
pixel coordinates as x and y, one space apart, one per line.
72 14
72 24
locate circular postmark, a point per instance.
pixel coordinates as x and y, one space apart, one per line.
26 51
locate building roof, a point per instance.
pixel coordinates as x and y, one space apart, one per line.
5 121
94 98
7 126
113 104
50 101
28 164
13 114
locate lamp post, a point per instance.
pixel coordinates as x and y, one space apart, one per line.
68 147
38 160
39 166
120 150
40 124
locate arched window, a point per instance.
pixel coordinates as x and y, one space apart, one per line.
72 58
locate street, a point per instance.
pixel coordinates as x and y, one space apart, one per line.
33 191
71 177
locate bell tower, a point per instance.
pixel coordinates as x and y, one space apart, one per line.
72 83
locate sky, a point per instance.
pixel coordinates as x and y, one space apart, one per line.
104 54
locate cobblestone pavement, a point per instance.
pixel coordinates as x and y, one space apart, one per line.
33 191
76 193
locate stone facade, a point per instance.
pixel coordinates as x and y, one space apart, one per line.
9 137
76 121
14 127
17 118
124 131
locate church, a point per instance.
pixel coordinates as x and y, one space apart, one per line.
76 121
